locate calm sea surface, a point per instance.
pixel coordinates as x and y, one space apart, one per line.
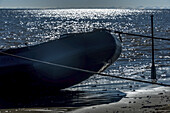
37 26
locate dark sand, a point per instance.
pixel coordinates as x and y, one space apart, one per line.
146 100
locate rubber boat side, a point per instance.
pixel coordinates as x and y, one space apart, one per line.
90 51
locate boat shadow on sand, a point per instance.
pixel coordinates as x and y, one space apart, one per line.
61 99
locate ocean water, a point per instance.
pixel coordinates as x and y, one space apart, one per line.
20 26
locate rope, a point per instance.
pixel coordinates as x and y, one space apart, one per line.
82 70
142 35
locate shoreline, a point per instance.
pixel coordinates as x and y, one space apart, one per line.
149 99
145 100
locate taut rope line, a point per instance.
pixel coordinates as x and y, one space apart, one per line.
141 35
82 70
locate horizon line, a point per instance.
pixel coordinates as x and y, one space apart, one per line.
149 8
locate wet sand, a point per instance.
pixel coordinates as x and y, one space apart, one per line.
39 110
148 100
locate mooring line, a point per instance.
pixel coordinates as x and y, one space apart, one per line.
141 35
82 70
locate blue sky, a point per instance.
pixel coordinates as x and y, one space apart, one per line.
84 3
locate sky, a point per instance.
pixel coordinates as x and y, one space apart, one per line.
85 4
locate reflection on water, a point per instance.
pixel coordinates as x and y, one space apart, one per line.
18 27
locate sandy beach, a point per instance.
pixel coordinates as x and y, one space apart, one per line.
150 99
146 100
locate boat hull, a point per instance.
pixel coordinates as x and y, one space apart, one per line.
89 51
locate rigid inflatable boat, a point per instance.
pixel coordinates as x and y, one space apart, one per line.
92 51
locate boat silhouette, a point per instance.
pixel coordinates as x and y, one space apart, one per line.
92 51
